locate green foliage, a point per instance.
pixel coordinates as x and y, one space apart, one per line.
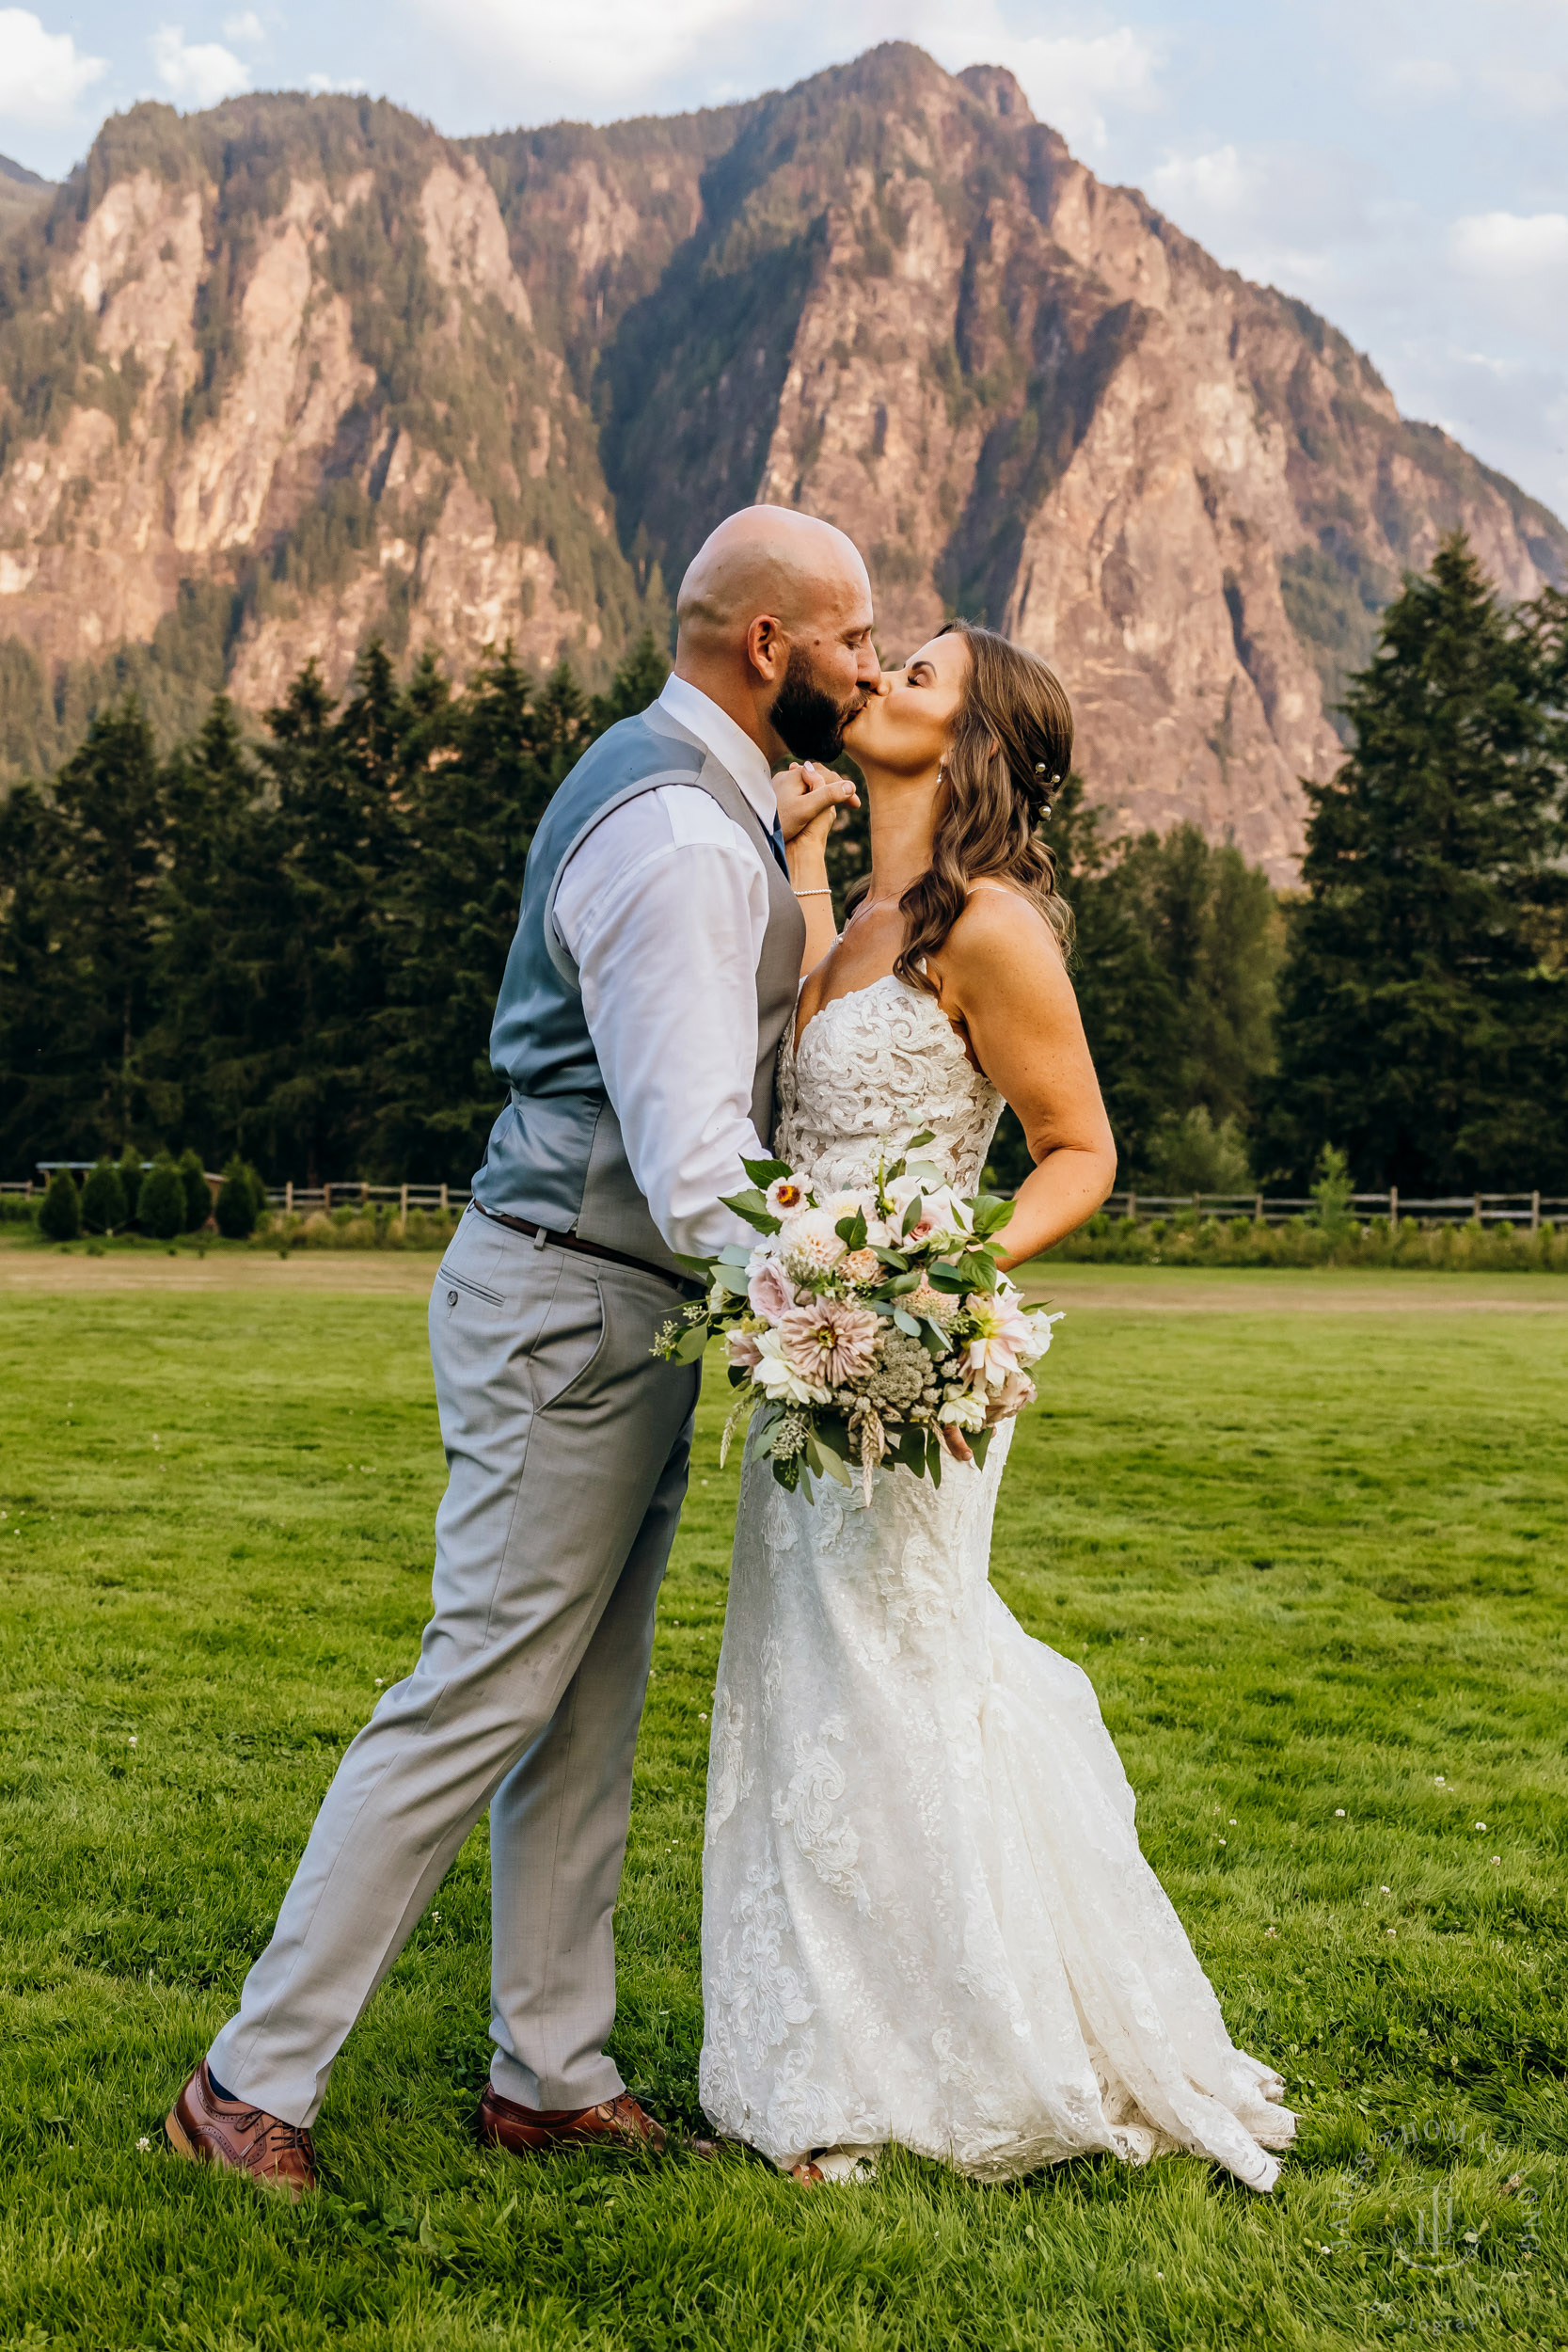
237 1209
1175 951
103 1199
1301 1574
1190 1152
290 950
197 1192
1333 1190
161 1208
1424 1001
79 929
1208 1241
60 1210
130 1181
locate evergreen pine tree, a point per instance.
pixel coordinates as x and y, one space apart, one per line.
131 1183
161 1208
639 680
1423 1025
478 777
79 904
60 1210
103 1199
236 1207
199 1195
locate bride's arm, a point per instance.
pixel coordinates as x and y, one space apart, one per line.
1001 974
808 799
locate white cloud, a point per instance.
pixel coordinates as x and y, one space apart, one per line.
1424 78
608 52
196 74
1279 212
1524 247
248 25
1515 266
42 76
320 84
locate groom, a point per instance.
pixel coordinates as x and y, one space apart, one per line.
653 972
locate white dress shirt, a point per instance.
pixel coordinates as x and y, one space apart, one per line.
663 909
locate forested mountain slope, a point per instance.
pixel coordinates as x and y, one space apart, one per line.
279 376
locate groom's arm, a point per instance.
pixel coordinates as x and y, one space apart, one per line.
664 910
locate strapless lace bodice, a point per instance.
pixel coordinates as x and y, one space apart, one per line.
875 1068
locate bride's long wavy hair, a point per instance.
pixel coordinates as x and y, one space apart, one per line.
1011 747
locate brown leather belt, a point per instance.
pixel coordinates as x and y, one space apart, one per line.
584 1248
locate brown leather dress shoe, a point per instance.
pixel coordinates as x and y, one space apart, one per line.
528 2130
240 2136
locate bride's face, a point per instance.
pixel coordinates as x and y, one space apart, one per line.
905 731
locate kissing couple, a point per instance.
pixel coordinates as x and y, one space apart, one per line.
925 1916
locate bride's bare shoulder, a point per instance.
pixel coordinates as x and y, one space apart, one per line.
999 922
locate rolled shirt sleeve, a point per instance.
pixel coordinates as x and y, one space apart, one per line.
664 910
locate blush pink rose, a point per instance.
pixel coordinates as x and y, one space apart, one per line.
770 1292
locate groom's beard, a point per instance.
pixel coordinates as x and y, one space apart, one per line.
807 720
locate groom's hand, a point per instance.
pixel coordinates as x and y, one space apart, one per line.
810 796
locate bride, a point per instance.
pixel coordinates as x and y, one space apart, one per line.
925 1916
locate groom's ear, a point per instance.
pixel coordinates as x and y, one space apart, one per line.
768 647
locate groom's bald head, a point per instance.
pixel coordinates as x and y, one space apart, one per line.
768 559
774 625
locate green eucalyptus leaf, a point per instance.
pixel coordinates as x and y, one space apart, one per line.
906 1321
691 1344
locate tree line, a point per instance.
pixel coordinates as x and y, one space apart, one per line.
287 950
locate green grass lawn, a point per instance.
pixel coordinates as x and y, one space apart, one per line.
1314 1561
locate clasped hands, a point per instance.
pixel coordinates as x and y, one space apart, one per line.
809 797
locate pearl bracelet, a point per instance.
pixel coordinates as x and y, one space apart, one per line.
813 894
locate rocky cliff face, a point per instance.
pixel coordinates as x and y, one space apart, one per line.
280 377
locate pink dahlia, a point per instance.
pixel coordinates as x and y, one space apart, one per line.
828 1342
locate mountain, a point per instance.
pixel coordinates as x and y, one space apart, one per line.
281 376
22 193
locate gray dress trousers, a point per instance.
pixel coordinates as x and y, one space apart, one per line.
567 1445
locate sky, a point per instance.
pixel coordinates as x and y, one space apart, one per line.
1402 165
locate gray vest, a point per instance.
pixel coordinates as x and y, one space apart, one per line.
555 1155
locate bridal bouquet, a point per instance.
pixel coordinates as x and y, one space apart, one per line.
863 1322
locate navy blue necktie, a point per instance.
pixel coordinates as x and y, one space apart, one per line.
778 840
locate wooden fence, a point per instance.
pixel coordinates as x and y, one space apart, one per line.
1528 1209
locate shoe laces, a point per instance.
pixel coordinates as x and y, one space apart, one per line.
279 2138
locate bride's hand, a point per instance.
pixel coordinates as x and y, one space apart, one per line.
810 797
956 1443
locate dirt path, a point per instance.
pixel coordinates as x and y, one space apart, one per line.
26 1269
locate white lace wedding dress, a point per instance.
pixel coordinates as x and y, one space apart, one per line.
926 1917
